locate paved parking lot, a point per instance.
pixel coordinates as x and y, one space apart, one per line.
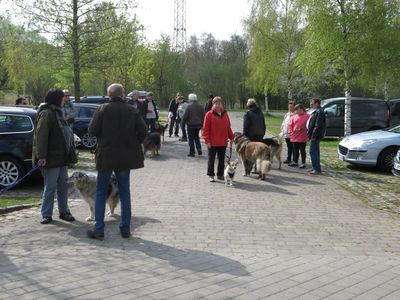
291 237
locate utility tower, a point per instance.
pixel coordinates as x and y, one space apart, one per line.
179 40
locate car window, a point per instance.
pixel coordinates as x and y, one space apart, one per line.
15 123
368 109
86 112
334 110
396 109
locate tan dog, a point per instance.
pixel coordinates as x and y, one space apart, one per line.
253 153
275 144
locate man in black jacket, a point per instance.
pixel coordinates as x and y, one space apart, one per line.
253 122
316 132
172 114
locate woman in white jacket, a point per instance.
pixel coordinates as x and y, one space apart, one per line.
181 111
285 133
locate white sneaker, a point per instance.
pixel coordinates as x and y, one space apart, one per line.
211 178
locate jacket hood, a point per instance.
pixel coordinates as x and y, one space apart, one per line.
44 106
255 109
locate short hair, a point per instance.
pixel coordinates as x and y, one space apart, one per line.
66 92
292 102
150 94
19 101
217 99
300 106
115 90
192 97
316 100
54 96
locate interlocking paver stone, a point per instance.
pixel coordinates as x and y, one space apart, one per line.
290 237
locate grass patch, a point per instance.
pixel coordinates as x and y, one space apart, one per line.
10 201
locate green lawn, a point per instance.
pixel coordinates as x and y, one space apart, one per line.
10 201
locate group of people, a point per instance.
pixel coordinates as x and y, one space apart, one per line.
53 143
298 127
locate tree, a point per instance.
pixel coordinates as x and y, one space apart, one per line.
336 32
276 38
71 25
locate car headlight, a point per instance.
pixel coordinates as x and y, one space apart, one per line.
360 144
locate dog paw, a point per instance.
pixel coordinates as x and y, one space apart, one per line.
110 214
89 219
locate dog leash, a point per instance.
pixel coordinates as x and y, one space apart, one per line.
9 187
230 154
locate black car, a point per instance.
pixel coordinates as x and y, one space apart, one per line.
97 99
17 125
84 114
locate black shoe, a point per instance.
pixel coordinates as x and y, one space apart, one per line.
125 235
46 220
176 135
200 153
287 161
220 177
293 164
95 235
191 155
67 217
183 140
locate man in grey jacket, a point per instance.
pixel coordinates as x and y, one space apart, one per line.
193 117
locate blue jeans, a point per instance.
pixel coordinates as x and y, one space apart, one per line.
103 179
55 180
315 155
193 134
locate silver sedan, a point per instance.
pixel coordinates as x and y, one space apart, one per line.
371 148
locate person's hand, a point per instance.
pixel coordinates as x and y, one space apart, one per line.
41 162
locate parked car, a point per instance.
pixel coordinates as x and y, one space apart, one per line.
142 95
84 114
366 114
372 148
97 99
17 125
396 164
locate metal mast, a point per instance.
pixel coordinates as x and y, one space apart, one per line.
179 39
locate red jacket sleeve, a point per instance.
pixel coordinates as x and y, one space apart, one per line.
206 128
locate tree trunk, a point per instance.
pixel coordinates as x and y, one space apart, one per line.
76 52
266 100
347 110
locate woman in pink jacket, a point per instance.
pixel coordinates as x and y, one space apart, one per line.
298 135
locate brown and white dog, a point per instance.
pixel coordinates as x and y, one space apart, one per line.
85 184
229 172
253 153
152 143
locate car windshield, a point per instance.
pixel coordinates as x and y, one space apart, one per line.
395 129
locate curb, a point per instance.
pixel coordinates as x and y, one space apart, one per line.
9 209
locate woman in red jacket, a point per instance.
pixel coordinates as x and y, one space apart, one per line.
216 132
298 135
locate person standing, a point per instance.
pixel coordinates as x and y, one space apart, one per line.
216 133
285 132
298 135
138 104
181 111
21 101
52 142
173 116
253 122
68 109
152 112
209 104
120 131
193 117
316 132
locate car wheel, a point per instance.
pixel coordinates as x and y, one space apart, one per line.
89 141
385 159
10 171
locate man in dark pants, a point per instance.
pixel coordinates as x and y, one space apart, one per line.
253 122
172 115
118 155
194 117
316 132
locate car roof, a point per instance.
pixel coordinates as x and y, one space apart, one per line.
352 98
85 104
18 110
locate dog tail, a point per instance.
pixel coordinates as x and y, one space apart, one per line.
265 168
280 138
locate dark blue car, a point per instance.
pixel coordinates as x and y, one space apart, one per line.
17 125
84 114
